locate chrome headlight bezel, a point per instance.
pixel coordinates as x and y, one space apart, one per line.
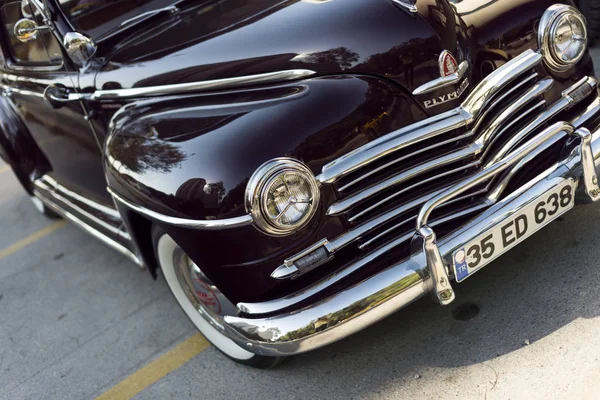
257 191
547 31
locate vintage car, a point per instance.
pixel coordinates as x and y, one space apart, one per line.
300 169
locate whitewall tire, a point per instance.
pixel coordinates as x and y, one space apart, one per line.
200 300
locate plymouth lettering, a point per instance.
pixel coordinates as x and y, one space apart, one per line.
447 97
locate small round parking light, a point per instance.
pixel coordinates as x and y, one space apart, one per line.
282 196
562 37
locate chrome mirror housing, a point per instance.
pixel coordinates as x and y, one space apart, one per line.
27 30
25 9
79 47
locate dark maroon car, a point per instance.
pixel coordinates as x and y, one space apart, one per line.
300 169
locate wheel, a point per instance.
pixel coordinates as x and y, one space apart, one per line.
194 292
43 208
591 10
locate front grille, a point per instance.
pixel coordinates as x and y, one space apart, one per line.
382 185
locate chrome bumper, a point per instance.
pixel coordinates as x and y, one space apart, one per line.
427 270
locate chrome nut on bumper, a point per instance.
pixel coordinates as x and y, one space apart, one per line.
382 294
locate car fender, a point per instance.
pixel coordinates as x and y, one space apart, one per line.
191 156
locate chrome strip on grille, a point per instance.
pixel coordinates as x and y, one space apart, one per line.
351 201
391 142
537 90
402 158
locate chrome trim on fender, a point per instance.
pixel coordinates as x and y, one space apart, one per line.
68 199
201 86
439 83
102 208
214 224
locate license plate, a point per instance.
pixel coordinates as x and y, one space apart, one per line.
480 251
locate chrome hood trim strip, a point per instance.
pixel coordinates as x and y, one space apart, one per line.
201 86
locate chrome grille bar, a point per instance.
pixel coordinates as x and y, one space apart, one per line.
392 142
504 96
351 201
491 85
587 83
508 113
402 158
404 190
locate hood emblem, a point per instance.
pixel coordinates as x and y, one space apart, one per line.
447 63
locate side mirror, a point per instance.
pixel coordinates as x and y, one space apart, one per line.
27 30
80 48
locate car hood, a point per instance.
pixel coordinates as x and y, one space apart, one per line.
231 38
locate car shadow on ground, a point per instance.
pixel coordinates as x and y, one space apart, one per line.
537 288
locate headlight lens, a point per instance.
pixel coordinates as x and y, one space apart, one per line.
562 36
282 196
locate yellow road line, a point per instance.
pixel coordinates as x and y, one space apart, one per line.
31 238
4 168
157 369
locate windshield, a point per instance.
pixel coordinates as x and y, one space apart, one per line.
95 18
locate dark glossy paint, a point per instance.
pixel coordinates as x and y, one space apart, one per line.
171 156
18 148
220 39
192 155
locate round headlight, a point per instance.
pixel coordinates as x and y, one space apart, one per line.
562 36
282 196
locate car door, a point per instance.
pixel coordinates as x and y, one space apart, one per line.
63 134
76 177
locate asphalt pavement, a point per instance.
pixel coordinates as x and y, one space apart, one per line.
78 321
